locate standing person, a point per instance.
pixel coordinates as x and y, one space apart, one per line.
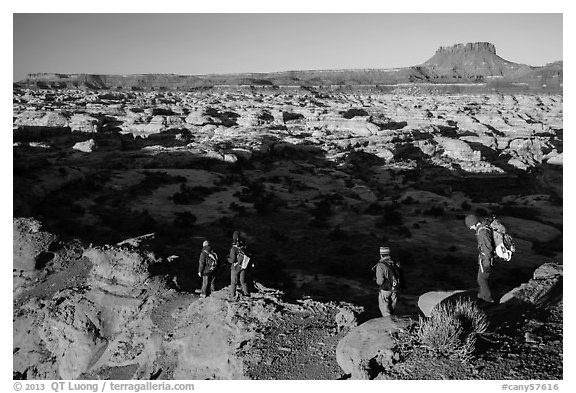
388 280
236 260
485 255
207 264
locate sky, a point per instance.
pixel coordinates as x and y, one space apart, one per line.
195 43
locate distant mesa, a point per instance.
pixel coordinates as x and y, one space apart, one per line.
472 63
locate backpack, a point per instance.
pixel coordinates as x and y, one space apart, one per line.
395 276
211 262
242 258
502 240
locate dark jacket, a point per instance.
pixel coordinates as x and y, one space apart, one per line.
387 275
486 246
204 262
234 257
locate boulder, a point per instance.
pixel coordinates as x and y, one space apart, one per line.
31 245
368 348
457 149
548 270
198 118
207 338
364 193
385 154
346 318
557 159
428 301
529 151
87 146
243 153
230 158
82 122
359 127
544 288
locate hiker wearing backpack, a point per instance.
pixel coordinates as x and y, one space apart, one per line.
207 265
239 262
486 250
388 280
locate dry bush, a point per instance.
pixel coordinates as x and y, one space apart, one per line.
452 329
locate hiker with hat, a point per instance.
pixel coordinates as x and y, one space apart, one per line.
239 262
485 255
388 280
207 265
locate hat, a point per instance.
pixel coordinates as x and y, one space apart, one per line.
205 243
384 250
471 220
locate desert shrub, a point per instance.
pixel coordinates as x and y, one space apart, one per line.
391 216
374 209
337 234
289 116
192 195
435 211
152 181
404 231
452 329
520 212
351 113
409 201
322 209
482 212
278 235
345 249
241 210
405 340
266 203
184 220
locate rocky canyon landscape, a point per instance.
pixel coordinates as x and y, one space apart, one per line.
118 179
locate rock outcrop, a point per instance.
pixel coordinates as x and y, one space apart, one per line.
369 348
31 244
544 288
106 314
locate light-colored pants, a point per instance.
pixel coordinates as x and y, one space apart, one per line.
387 302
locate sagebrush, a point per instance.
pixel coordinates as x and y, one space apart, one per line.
452 329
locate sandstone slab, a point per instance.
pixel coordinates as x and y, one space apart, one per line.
369 347
428 301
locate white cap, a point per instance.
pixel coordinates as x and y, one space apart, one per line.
384 250
205 243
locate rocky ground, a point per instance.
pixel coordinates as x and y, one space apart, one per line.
316 179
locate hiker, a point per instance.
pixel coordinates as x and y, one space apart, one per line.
238 265
388 280
207 265
485 255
